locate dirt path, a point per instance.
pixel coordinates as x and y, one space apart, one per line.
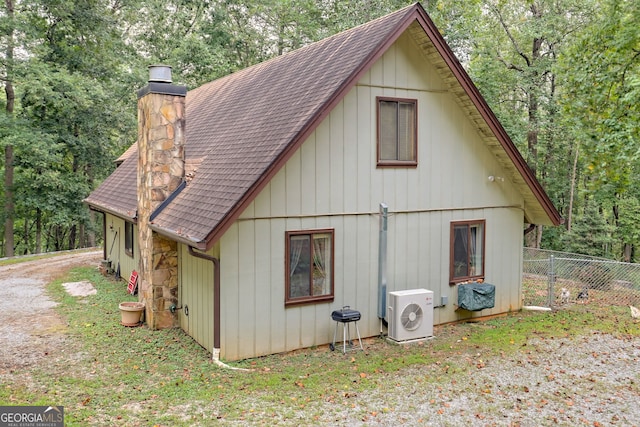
31 330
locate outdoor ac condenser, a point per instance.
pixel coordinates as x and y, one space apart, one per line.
410 314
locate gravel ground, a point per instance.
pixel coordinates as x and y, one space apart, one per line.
31 331
592 380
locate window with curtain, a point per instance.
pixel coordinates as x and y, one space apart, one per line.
309 266
128 238
467 251
397 132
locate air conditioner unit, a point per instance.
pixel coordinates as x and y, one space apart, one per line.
410 314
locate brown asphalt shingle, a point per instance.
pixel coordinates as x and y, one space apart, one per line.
117 194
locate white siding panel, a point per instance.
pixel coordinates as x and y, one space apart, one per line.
332 154
262 282
323 169
366 149
115 246
262 203
307 176
230 298
276 285
389 67
375 76
248 289
293 184
196 292
278 191
350 184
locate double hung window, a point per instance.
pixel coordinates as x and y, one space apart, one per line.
467 251
397 132
128 238
309 266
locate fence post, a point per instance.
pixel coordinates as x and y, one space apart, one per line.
552 281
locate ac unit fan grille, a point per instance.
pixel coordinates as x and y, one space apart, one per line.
411 317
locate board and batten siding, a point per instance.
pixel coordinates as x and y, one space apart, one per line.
195 295
114 241
332 182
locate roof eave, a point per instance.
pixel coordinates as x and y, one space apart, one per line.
120 214
492 121
180 238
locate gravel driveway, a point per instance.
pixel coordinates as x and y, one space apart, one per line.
31 330
586 381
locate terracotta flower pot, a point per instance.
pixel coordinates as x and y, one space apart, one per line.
131 313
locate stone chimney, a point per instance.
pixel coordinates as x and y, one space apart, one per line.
161 138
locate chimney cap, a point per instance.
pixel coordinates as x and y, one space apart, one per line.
160 73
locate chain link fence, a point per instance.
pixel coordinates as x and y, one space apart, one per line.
554 279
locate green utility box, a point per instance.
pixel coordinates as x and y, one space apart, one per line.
476 296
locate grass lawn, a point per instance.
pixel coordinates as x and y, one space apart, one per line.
112 375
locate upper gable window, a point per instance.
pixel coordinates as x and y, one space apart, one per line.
397 132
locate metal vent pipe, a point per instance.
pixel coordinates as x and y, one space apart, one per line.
382 265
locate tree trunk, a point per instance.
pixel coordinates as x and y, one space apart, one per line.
626 253
25 236
91 235
533 107
82 238
573 188
9 206
73 231
38 231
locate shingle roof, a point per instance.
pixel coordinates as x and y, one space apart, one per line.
118 193
243 127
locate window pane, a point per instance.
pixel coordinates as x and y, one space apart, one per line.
460 251
128 238
388 130
299 266
406 126
475 254
321 264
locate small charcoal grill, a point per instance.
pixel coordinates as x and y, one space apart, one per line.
345 316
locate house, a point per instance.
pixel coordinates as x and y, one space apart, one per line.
252 206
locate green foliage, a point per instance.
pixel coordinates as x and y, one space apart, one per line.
591 234
603 93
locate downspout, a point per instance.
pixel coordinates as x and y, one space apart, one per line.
215 353
104 236
529 229
382 266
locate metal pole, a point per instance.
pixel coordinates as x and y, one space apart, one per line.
552 281
382 263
